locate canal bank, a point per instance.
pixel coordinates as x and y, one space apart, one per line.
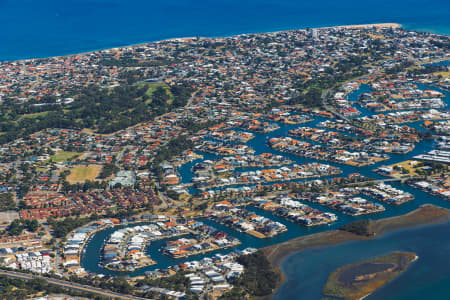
91 257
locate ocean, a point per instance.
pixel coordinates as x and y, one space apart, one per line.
31 29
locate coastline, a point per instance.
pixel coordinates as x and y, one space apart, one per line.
357 26
427 214
184 39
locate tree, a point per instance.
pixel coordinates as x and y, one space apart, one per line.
6 202
15 228
33 226
360 227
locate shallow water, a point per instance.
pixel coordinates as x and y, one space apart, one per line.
426 278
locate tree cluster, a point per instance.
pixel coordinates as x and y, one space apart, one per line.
103 110
259 278
62 227
7 202
23 289
18 226
108 170
173 148
360 227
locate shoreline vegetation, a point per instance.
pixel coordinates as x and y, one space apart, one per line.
427 214
358 280
355 26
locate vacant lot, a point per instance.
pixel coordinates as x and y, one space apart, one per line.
80 174
7 217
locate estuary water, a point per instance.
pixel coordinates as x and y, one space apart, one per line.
427 278
31 29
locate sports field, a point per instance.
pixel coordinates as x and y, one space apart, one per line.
80 174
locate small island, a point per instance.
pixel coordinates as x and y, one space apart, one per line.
358 280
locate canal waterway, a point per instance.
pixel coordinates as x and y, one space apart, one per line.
91 258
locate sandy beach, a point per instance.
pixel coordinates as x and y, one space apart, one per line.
376 25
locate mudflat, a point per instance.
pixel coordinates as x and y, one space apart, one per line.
358 280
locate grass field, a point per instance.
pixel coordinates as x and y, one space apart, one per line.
63 156
33 116
443 74
153 86
80 174
407 165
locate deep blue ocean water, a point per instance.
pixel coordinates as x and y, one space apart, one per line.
31 28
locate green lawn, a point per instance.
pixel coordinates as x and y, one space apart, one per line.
63 156
152 86
33 116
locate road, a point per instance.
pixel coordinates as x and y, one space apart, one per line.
189 103
164 199
121 154
376 181
330 109
69 285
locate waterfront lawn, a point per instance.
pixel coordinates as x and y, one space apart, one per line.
405 168
418 168
443 74
81 174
